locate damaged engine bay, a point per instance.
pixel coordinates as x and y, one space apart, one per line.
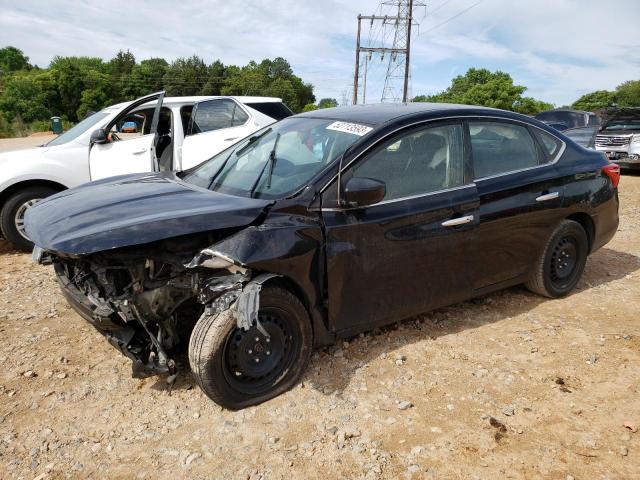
146 300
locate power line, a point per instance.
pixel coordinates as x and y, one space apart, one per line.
454 17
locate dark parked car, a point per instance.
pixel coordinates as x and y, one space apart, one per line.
321 226
564 118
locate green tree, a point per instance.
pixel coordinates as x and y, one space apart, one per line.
145 78
216 75
628 94
186 76
23 98
327 103
480 86
13 59
120 68
595 100
271 78
72 86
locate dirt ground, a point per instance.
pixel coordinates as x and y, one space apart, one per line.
509 386
8 144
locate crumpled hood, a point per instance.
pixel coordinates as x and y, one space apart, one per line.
612 115
132 210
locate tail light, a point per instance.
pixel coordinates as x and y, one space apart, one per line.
613 172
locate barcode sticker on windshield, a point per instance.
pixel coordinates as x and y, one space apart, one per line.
352 128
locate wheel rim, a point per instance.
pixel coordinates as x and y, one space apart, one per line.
19 218
253 362
564 261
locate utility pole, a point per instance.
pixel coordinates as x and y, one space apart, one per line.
405 90
399 53
357 75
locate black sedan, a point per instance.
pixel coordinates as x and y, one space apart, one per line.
321 226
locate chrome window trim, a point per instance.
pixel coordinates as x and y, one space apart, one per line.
456 117
402 199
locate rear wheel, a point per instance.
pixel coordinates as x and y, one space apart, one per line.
237 369
561 264
13 211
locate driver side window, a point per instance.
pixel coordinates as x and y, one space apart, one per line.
131 126
419 162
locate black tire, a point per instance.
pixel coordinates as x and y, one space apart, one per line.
562 262
221 354
12 207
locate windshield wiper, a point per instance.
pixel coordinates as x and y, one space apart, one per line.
271 161
252 140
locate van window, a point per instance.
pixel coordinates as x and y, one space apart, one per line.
275 110
216 114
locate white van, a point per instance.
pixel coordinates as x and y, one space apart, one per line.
152 133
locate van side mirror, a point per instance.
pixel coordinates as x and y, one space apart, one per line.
362 192
99 136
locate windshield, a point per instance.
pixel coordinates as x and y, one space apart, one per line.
623 125
278 160
78 129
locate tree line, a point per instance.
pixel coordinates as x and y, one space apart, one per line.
70 87
480 86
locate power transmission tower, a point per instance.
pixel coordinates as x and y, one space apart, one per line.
399 26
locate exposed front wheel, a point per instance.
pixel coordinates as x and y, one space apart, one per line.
561 264
13 211
237 369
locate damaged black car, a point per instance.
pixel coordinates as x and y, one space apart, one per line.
321 226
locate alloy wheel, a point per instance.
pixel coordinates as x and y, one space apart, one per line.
19 217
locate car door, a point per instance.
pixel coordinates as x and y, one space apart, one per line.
413 250
519 188
124 152
214 125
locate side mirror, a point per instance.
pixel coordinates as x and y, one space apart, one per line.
99 136
362 192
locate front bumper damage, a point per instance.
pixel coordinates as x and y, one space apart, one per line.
146 308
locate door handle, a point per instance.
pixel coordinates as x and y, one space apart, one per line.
140 152
548 196
454 222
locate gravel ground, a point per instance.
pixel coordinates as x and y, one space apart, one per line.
8 144
508 386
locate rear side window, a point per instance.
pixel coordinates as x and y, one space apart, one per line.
500 147
423 161
217 114
550 144
275 110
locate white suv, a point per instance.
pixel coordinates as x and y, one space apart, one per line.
152 133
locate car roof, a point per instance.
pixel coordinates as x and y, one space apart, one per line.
377 114
199 98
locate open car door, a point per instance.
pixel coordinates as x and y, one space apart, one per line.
215 125
128 143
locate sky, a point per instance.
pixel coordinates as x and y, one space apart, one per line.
558 49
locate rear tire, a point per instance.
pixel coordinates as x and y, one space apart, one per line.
12 215
237 369
562 262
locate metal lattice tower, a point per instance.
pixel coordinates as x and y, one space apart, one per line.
399 25
397 69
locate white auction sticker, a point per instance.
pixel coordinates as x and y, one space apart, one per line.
352 128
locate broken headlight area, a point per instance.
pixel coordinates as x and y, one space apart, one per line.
146 305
